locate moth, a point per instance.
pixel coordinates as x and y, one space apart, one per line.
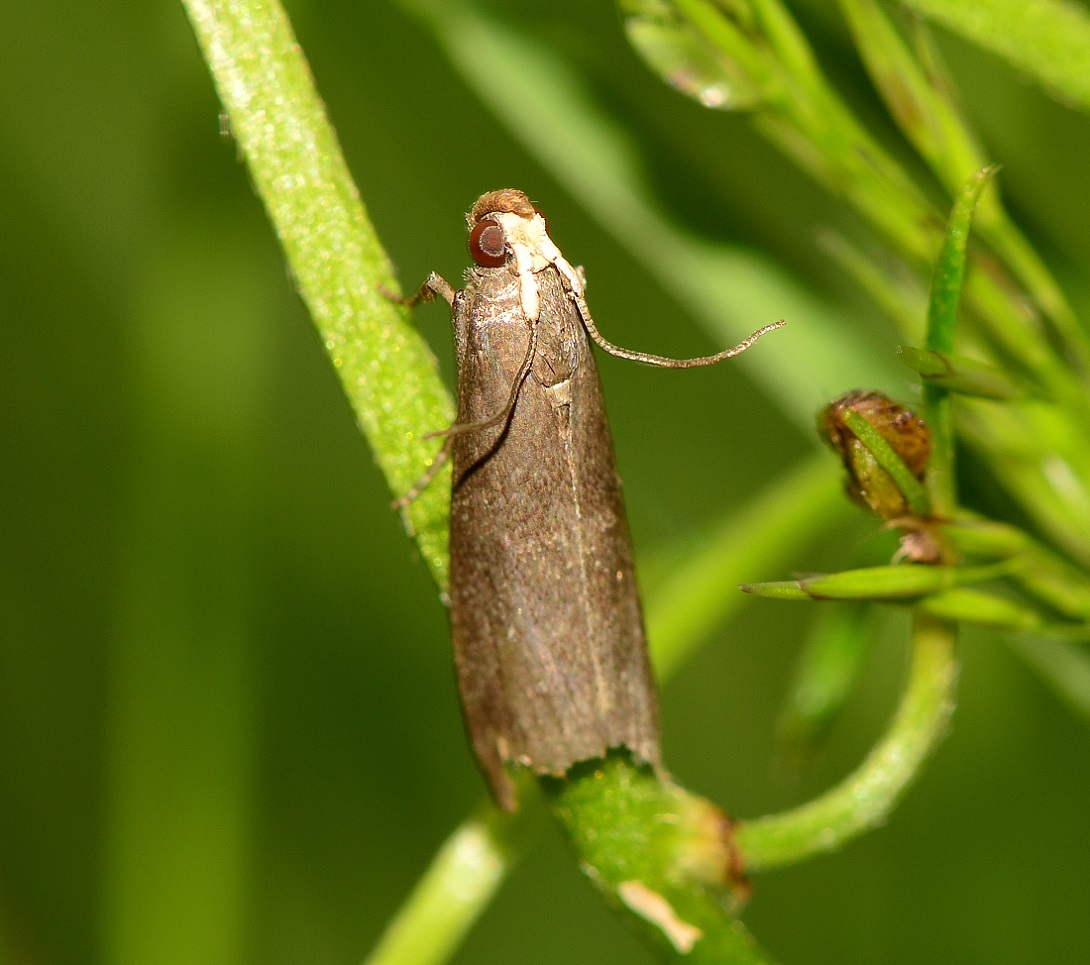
547 628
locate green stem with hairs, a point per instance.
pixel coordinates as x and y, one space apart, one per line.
863 800
343 274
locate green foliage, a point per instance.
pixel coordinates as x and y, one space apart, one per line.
228 730
1048 39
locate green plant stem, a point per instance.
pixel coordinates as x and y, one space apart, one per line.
459 883
296 165
863 800
662 857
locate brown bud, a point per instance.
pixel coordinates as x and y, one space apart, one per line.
907 434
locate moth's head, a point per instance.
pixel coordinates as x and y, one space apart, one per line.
500 221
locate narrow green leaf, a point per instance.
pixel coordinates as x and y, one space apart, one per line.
959 374
910 487
905 581
1047 39
984 537
941 325
459 883
972 606
950 267
827 669
777 590
927 118
1065 667
900 581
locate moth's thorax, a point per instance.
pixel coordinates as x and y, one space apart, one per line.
494 294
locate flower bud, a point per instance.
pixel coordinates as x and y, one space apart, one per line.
872 476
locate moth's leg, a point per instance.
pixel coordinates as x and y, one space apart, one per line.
501 417
504 414
435 284
432 471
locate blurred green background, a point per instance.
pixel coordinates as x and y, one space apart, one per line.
228 725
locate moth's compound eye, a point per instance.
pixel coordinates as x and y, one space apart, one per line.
486 244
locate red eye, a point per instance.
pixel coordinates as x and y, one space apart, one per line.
486 244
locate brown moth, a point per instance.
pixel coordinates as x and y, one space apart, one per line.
546 623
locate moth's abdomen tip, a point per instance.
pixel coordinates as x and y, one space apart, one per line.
505 797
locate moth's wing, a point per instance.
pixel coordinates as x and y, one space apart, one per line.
548 636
